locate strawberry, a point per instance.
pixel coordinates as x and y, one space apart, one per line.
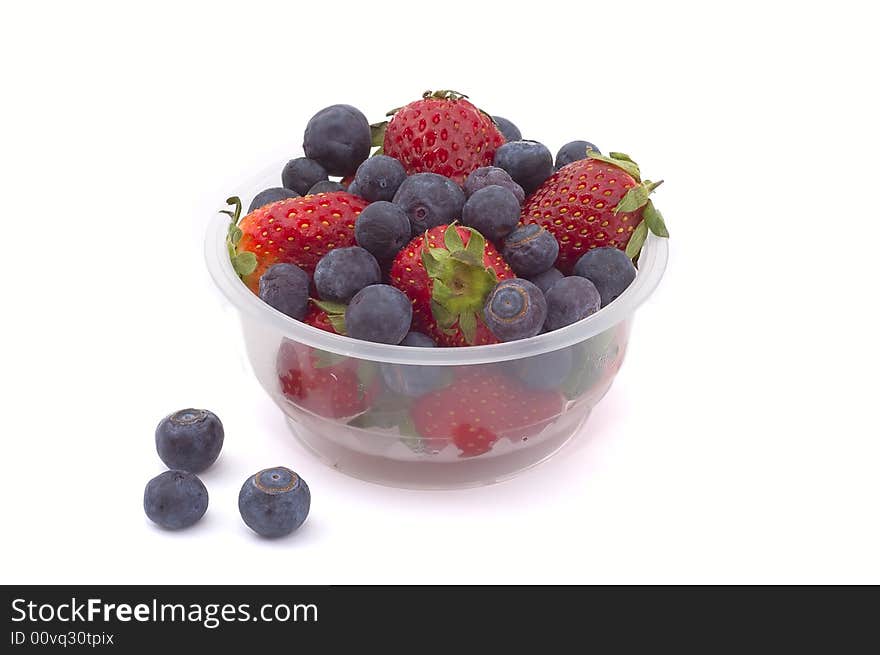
324 383
480 407
593 202
441 133
447 274
296 230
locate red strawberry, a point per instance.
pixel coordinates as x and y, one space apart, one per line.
593 202
297 230
480 407
323 383
447 274
441 133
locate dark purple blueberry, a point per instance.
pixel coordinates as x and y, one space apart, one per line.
418 340
269 196
379 177
338 137
301 174
530 250
609 269
570 300
509 130
175 499
189 439
546 279
544 371
493 211
492 175
574 151
286 288
274 502
379 313
414 380
429 200
382 228
343 272
353 189
515 309
326 186
528 162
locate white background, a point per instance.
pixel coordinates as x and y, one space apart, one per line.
740 441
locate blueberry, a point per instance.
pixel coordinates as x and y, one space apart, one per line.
301 174
379 177
493 211
509 130
325 186
429 200
546 279
175 499
544 371
343 272
189 439
530 250
418 340
489 175
528 162
414 380
379 313
570 300
286 288
269 196
382 228
353 189
515 309
338 137
274 502
573 151
609 269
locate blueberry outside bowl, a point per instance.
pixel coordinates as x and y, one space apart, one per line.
371 435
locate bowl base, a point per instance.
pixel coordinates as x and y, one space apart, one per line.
460 474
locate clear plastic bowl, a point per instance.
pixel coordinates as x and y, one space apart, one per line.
337 404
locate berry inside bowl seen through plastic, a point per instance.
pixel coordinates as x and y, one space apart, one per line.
431 418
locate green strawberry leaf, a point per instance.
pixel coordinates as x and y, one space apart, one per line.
335 314
621 156
626 165
445 319
337 321
475 247
235 201
634 199
377 133
432 264
467 323
366 374
442 294
650 186
637 240
329 306
654 220
244 263
452 239
324 359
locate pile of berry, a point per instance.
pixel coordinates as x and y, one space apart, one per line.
455 232
273 502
